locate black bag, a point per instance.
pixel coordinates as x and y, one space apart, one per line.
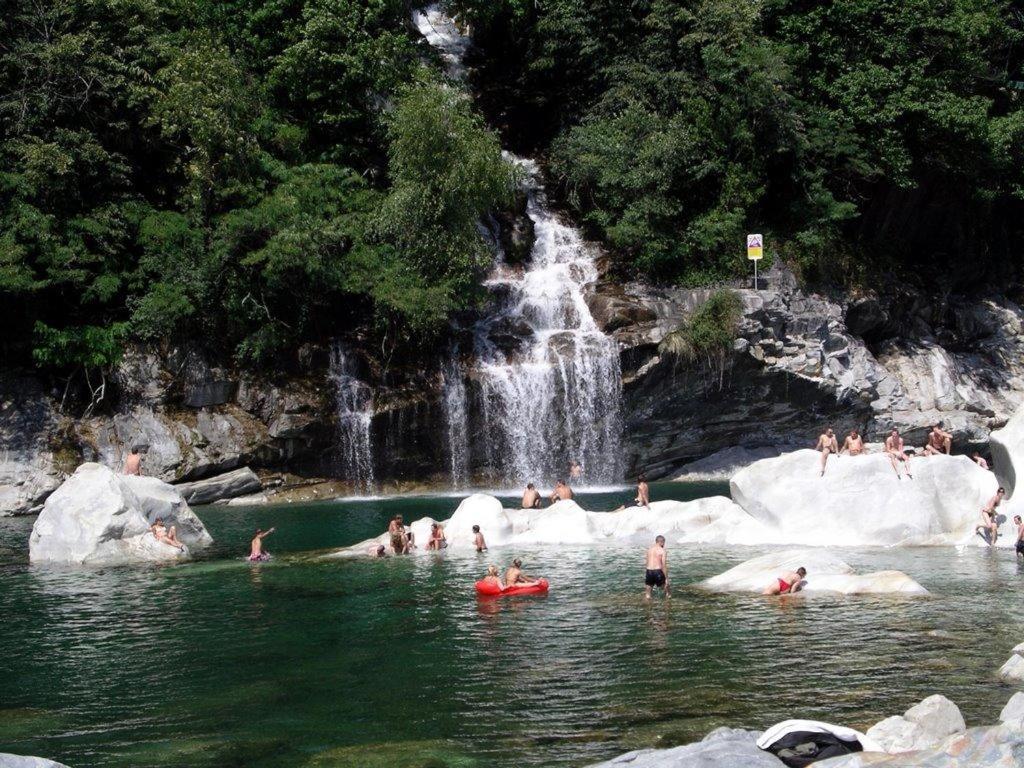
801 748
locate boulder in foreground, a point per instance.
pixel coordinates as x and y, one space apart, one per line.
102 518
20 761
825 573
860 501
722 748
922 726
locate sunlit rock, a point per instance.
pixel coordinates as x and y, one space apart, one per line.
20 761
1007 446
860 501
99 517
722 748
825 573
924 725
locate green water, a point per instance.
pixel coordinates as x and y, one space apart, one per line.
321 663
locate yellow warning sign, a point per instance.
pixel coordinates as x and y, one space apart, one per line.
755 247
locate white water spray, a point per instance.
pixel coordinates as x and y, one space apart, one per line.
354 407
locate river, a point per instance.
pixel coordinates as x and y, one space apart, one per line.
326 663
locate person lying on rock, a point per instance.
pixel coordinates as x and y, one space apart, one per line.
256 553
165 536
853 444
656 565
478 539
1019 546
990 518
562 492
827 445
437 537
894 450
939 441
531 498
788 584
514 576
492 577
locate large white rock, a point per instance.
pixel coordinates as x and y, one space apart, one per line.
100 517
8 760
992 747
825 573
1007 446
1013 713
924 725
723 464
1013 670
861 502
710 520
722 748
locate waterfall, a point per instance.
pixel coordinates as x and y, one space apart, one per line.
548 380
353 400
456 413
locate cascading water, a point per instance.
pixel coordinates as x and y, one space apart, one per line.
456 421
553 398
354 406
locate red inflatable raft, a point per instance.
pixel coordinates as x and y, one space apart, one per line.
493 590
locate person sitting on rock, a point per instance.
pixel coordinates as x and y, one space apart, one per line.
853 444
939 441
478 539
1019 546
562 492
379 551
396 532
788 583
256 553
990 519
977 459
165 536
514 576
894 450
437 538
492 577
531 498
827 444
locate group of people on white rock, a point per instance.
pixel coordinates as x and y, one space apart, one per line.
939 442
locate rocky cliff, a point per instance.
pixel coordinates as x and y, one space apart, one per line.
802 361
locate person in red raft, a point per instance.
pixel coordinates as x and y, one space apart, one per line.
514 576
788 583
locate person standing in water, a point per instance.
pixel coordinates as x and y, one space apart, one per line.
827 445
656 565
531 498
438 540
478 539
575 471
989 518
562 492
133 464
1019 545
788 583
256 553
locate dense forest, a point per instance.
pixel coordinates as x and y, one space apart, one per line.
258 172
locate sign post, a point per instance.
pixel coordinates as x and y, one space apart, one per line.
755 252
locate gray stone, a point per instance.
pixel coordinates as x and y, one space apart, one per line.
1007 446
208 393
8 760
989 747
923 726
1013 713
1013 670
292 425
722 748
229 485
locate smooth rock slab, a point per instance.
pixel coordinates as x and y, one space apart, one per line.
860 501
722 748
1013 670
99 517
230 485
1007 446
1013 713
8 760
825 573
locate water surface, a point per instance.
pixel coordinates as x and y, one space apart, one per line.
312 662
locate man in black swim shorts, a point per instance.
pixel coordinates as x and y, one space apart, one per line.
1019 546
657 568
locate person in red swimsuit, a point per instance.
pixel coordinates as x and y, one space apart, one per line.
788 583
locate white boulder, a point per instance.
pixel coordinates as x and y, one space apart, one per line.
723 464
100 517
1013 670
1007 446
709 520
923 726
860 501
722 748
825 573
8 760
1013 713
